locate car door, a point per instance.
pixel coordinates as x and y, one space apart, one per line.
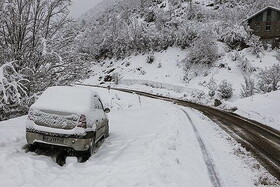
103 117
100 118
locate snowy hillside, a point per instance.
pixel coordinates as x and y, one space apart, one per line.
96 11
168 68
167 75
105 5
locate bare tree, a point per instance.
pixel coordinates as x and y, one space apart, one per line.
26 22
37 37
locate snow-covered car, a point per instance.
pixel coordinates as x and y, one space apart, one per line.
70 117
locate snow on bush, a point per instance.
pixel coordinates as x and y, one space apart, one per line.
12 89
212 85
256 46
203 51
194 70
191 71
116 77
225 89
269 79
235 56
150 59
185 34
245 64
249 88
232 35
242 61
278 55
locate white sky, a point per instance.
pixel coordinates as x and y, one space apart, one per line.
79 7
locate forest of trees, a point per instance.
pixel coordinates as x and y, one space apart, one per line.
41 46
134 26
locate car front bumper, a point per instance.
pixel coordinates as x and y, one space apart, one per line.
76 142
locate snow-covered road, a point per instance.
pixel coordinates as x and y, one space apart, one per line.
151 143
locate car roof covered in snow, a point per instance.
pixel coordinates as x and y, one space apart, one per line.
66 99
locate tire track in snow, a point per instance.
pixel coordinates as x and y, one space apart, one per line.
261 140
206 156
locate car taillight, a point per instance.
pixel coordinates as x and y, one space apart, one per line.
82 121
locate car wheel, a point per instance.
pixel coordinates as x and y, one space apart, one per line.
92 147
84 156
61 157
32 147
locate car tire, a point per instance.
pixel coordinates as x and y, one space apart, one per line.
106 133
85 155
61 157
92 147
32 147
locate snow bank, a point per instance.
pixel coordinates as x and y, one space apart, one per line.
263 108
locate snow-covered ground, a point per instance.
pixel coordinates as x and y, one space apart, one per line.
151 143
166 74
168 68
261 107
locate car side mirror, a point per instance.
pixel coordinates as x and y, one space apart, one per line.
107 110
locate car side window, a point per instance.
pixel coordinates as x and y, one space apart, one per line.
98 104
102 107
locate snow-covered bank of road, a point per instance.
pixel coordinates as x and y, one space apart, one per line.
151 143
263 108
260 107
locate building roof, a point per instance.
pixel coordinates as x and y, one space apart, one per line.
262 10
